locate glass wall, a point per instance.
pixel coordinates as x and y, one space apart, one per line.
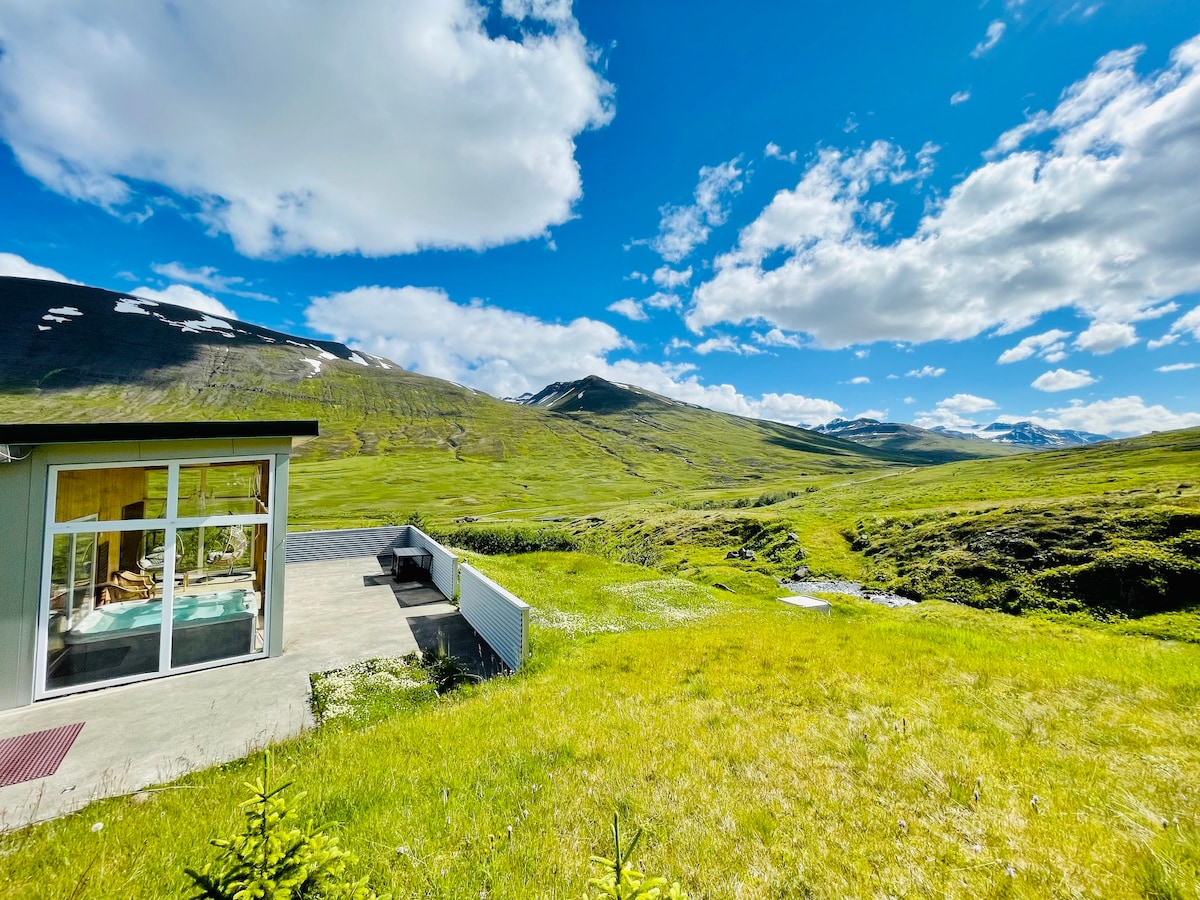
153 568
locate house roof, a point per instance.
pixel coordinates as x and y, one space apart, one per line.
103 432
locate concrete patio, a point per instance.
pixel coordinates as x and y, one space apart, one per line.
337 611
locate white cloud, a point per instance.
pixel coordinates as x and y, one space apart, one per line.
507 353
959 97
378 127
774 151
183 295
995 31
1105 337
1063 380
860 379
178 294
861 354
504 352
927 372
666 277
208 277
637 276
630 309
851 125
954 412
662 300
966 403
1118 416
683 228
776 338
676 344
20 267
1047 344
909 400
1178 367
726 344
1029 231
1189 323
880 415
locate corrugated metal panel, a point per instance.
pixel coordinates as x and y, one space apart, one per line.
444 569
344 543
497 616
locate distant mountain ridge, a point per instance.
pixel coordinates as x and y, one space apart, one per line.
81 354
1024 435
1027 434
595 394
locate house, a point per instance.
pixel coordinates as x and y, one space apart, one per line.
139 550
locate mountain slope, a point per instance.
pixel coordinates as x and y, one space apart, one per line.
390 440
933 446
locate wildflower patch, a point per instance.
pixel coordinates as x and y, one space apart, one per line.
370 689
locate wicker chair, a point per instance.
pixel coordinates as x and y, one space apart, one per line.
235 547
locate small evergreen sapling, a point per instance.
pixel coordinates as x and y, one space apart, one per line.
621 881
273 858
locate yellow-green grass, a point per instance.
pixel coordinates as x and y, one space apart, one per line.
767 752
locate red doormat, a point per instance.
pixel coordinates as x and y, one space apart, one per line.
30 756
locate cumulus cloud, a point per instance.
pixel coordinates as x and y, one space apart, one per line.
927 372
959 97
860 379
378 127
879 415
508 353
630 309
1031 230
1117 417
178 294
666 277
995 31
183 295
662 300
1063 380
774 151
1178 367
20 267
954 412
683 228
1048 344
726 344
209 278
1187 324
1105 337
776 338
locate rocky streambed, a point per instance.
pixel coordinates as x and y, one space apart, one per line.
853 588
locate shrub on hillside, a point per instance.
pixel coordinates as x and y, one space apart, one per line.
493 541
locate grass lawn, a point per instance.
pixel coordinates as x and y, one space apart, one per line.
767 752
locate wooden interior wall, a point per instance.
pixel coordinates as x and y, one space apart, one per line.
100 492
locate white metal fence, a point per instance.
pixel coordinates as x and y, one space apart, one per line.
499 617
444 569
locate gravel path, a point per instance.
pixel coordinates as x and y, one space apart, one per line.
853 588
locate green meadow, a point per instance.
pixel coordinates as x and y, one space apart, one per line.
934 750
1036 737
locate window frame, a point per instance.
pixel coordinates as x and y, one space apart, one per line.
170 524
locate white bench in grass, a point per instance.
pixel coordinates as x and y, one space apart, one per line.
806 602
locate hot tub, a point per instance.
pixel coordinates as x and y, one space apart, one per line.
124 636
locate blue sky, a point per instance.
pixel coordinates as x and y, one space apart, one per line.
932 212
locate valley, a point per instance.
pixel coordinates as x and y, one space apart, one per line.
1026 730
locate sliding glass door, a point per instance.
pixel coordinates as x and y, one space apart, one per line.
152 568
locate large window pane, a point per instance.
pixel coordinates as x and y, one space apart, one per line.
219 582
111 495
91 634
223 489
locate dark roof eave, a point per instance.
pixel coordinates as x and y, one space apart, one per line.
109 432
